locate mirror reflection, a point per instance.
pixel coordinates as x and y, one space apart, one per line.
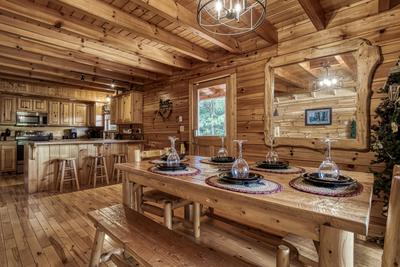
316 98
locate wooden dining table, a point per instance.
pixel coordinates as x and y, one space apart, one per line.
331 222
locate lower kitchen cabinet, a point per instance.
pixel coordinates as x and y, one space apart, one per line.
8 156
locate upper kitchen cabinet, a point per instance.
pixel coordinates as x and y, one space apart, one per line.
66 113
96 114
127 108
8 109
80 116
54 113
29 104
39 105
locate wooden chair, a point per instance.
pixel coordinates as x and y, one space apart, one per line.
118 158
67 172
98 169
151 244
308 252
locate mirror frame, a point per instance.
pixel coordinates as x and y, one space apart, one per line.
368 58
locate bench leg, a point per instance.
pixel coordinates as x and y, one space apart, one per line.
168 215
283 256
196 219
97 248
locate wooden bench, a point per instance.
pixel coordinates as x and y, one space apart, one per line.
150 243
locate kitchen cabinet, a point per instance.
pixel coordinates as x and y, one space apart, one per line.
66 113
80 116
8 110
96 115
54 113
127 108
8 156
25 104
39 105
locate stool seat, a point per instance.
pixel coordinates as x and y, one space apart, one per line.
67 159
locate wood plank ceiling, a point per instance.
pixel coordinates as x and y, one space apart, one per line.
124 44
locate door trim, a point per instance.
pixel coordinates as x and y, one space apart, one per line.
231 106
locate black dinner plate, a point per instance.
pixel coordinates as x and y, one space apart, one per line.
328 182
165 157
228 176
223 159
279 165
166 167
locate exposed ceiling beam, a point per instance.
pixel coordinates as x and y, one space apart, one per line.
384 5
175 12
266 30
315 12
50 78
75 59
18 54
59 39
60 21
143 28
42 69
288 77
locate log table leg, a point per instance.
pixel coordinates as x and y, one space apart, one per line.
336 247
97 248
196 219
127 193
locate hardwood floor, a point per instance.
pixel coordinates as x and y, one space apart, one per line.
52 229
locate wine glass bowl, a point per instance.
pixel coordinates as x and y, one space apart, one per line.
222 152
173 158
328 168
240 168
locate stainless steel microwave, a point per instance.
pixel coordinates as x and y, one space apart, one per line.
31 119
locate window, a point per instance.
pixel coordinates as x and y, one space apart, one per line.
211 111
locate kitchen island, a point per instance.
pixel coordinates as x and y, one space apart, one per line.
40 166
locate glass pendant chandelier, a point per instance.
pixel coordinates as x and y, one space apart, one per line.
230 17
328 81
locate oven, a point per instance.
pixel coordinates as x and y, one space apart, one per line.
31 119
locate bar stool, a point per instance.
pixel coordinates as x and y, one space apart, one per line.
98 169
67 172
116 173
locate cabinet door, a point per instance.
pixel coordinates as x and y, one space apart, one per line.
8 157
66 113
8 110
137 108
80 114
120 104
127 110
54 113
25 104
39 105
114 110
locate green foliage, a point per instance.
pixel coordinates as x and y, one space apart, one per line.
212 117
386 140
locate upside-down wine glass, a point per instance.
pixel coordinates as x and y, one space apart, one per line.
240 168
328 168
222 152
173 157
272 156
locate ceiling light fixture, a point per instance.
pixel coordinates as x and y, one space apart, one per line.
108 99
230 17
328 81
113 84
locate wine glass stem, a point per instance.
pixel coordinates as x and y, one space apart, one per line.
240 150
329 151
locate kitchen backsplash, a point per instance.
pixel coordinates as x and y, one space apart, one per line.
58 132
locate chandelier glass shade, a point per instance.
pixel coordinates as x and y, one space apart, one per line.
328 81
230 17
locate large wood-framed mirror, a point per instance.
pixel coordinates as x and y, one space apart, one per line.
321 93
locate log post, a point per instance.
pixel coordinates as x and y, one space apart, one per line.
336 247
283 256
97 248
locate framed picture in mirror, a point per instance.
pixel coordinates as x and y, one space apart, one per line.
318 116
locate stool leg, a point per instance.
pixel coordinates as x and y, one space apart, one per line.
105 169
62 175
95 173
97 248
168 215
58 174
118 170
113 167
196 219
75 174
90 171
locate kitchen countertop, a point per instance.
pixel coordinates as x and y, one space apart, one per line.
83 141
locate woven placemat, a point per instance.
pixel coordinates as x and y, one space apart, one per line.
290 170
208 161
190 171
344 191
159 161
263 187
